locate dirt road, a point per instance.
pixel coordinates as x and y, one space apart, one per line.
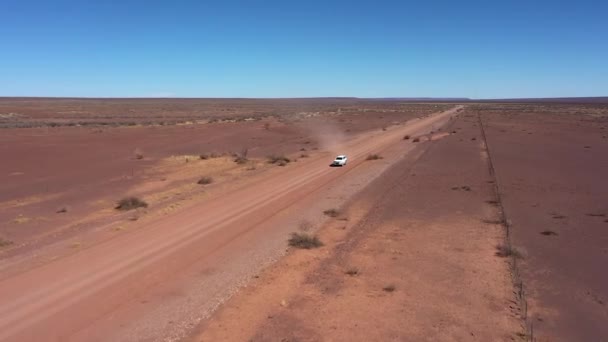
99 292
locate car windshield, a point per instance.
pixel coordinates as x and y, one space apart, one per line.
339 158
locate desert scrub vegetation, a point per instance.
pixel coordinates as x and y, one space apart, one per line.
353 271
279 160
205 156
504 251
407 137
333 212
130 203
138 154
205 180
5 243
416 140
304 241
389 288
373 157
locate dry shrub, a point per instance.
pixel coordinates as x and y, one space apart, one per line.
131 202
304 241
504 251
389 288
5 243
353 271
205 180
138 154
373 157
280 160
332 212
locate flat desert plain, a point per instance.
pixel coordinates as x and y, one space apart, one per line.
174 219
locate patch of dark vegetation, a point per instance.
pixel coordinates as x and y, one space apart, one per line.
492 202
373 157
138 154
558 216
464 188
548 233
279 160
389 288
505 251
332 212
473 139
407 137
5 243
205 180
596 214
353 271
303 155
130 203
304 241
62 210
416 140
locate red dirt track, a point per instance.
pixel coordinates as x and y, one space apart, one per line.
96 293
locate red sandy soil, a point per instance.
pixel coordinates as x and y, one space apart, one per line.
87 169
552 165
411 258
156 277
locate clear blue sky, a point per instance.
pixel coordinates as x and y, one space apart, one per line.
225 48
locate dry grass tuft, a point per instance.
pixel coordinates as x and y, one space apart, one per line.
504 251
205 180
353 271
333 212
279 160
5 243
304 241
389 288
129 203
138 154
373 157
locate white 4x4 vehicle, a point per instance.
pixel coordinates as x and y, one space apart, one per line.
340 160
